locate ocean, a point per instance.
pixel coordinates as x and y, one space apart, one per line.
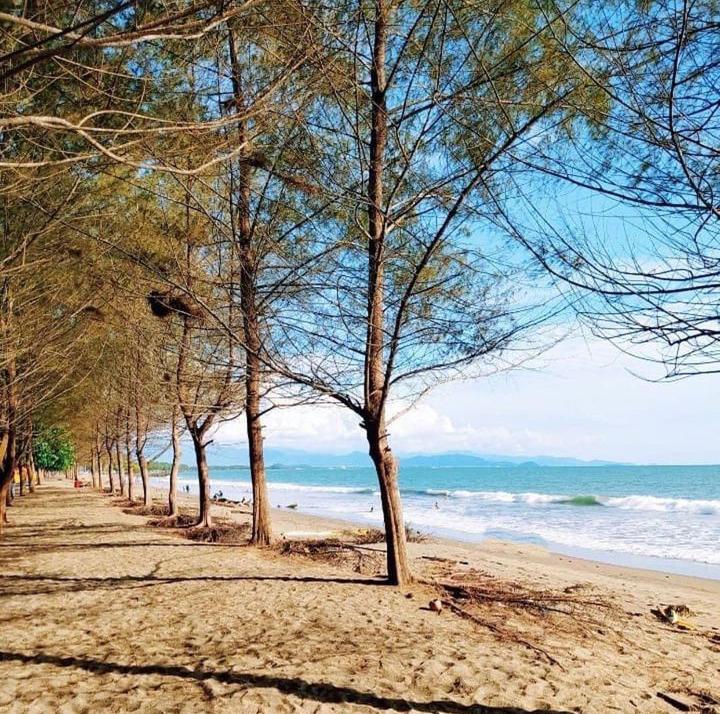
663 518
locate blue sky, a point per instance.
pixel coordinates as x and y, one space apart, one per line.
580 400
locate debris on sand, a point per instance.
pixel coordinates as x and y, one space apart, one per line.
674 615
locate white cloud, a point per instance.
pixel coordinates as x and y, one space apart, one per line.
580 400
309 428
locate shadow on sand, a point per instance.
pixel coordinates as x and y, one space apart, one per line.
324 692
11 585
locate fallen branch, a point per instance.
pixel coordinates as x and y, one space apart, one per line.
501 632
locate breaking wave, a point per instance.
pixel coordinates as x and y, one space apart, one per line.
631 503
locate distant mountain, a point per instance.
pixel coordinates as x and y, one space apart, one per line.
220 455
494 461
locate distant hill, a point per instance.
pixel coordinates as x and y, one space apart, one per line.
236 455
494 461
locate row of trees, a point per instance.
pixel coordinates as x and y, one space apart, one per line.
215 208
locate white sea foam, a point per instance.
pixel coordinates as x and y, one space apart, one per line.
662 527
651 503
283 486
659 540
633 502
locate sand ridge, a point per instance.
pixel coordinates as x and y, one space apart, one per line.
102 613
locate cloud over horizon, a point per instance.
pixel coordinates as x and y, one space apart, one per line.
581 400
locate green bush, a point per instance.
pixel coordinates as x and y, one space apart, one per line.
53 449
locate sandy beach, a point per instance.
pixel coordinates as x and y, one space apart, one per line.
105 613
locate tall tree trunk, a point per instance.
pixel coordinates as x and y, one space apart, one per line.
376 385
144 476
21 480
121 476
204 518
4 489
99 471
109 450
93 471
30 462
398 566
128 459
261 532
99 461
140 440
9 462
175 467
35 473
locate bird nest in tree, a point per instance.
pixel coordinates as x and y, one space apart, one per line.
163 304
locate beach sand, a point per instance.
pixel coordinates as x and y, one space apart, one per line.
101 612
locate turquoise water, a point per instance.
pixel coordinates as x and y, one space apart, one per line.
660 517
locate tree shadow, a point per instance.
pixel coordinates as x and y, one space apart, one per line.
324 692
50 547
12 585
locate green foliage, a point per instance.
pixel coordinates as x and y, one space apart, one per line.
52 449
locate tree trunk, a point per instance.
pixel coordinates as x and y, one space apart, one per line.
99 471
3 505
204 518
30 481
142 463
261 533
172 493
35 472
128 454
93 472
140 441
99 462
21 480
376 380
7 470
121 477
110 469
4 482
398 566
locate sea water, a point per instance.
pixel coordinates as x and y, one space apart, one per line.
660 517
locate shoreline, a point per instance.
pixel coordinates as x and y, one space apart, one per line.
653 564
295 524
